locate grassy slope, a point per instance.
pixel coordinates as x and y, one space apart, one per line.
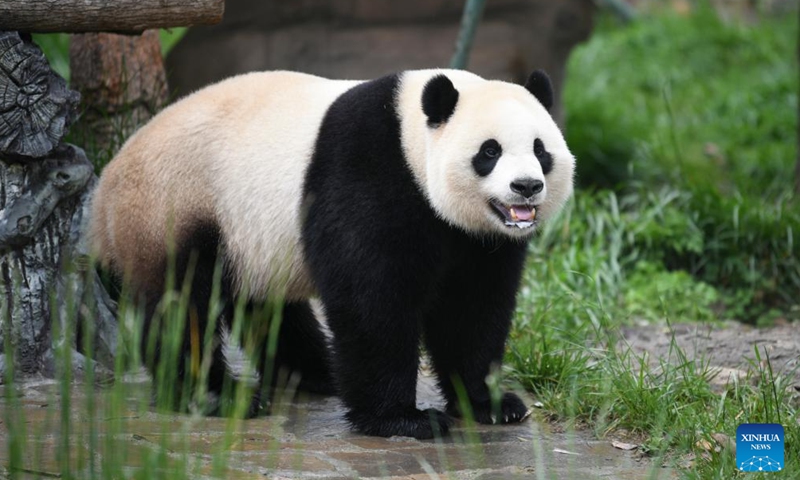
687 100
685 133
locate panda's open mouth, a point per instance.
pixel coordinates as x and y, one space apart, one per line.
520 216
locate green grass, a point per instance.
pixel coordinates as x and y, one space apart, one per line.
691 125
689 101
670 408
586 279
81 431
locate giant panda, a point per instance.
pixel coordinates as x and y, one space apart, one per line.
403 203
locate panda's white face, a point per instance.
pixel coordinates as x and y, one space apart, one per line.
499 163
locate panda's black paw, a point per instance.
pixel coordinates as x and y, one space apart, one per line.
217 405
320 385
420 424
511 410
249 404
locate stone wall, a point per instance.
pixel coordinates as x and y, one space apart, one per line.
369 38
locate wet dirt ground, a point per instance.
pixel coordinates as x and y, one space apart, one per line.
305 439
726 349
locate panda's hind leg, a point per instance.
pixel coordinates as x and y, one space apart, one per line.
183 377
303 349
300 358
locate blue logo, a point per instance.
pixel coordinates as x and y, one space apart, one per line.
759 447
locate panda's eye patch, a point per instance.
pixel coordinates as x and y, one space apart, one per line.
484 161
491 149
538 148
544 157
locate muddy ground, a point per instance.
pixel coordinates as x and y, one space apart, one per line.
727 349
309 439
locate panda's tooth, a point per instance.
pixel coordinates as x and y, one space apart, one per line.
533 213
513 214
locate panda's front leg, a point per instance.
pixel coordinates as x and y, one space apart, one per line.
374 294
466 330
376 358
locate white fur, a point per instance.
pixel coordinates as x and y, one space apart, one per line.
235 152
441 158
258 184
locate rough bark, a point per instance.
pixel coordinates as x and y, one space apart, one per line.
35 105
75 16
42 186
46 297
122 84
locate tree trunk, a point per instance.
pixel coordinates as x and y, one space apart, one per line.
122 84
35 105
130 16
44 190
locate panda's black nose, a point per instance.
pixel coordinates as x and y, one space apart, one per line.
527 187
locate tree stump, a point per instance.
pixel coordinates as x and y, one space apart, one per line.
44 193
122 84
36 106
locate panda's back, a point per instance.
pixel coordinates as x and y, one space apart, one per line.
259 188
230 157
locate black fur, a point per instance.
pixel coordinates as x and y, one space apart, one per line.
483 163
301 344
545 159
439 98
391 273
302 349
540 86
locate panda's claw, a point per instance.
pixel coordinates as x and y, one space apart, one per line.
512 410
420 424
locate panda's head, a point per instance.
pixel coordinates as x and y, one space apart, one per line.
493 159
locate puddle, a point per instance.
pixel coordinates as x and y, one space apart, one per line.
305 439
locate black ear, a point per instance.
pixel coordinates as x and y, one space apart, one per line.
540 86
439 98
